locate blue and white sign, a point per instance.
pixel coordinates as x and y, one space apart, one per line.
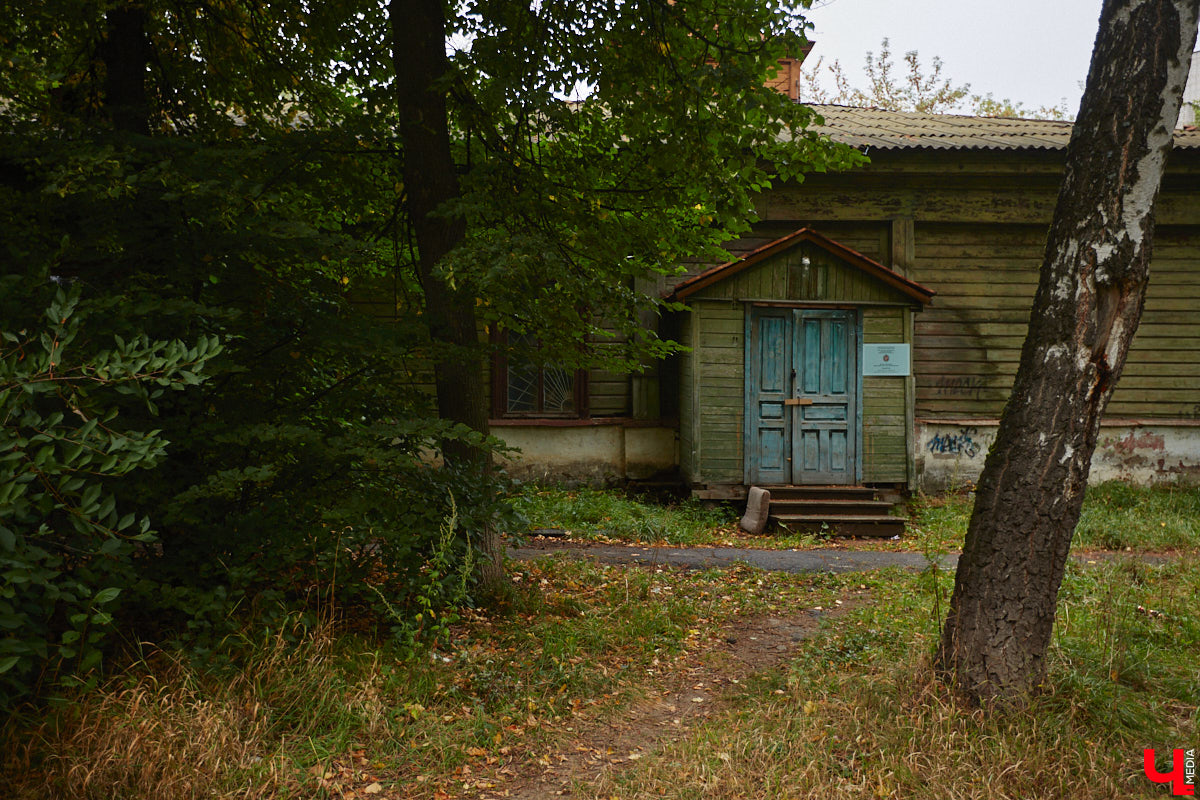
885 359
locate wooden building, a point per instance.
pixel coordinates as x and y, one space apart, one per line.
868 330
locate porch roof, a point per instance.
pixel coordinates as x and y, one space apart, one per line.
851 257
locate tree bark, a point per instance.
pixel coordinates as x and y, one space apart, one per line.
1087 307
125 52
418 29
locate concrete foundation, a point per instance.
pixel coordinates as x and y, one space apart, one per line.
951 455
592 454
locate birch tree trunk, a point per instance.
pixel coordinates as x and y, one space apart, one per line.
1087 307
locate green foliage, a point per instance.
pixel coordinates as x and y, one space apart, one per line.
300 473
574 210
66 545
443 584
234 176
247 63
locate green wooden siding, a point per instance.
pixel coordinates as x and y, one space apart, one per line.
804 272
868 238
884 443
969 340
719 409
688 461
608 393
1161 377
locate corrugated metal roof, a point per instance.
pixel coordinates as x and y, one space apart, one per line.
878 129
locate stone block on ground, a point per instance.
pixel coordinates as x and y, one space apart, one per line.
758 506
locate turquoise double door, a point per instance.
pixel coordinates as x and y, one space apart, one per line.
802 396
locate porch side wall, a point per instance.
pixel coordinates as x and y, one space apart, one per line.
719 381
885 447
689 456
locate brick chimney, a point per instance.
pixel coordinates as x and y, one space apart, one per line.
787 79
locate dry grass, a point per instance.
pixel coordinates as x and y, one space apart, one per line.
163 732
323 712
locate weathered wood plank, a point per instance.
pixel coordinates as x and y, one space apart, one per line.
1152 327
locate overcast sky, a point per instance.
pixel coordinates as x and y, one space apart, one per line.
1031 51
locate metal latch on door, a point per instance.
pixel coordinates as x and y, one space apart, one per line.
798 401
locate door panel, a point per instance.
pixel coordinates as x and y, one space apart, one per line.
826 427
768 385
810 357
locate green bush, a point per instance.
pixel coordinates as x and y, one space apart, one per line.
299 478
66 547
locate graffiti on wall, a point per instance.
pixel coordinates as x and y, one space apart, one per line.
960 386
1133 442
960 443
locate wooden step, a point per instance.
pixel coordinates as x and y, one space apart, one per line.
838 510
820 492
830 506
875 525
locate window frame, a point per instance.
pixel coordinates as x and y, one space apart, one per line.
500 388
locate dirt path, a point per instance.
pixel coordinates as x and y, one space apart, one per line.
699 686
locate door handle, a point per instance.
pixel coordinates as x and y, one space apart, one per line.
798 401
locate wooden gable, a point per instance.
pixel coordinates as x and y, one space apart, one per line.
804 266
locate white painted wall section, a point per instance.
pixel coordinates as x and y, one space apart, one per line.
593 454
951 456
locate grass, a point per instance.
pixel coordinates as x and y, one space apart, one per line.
1115 517
607 515
858 715
331 711
325 712
328 712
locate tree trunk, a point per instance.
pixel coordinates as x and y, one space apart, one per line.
418 29
1087 307
125 52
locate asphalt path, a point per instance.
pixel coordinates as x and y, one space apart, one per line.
824 560
821 560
